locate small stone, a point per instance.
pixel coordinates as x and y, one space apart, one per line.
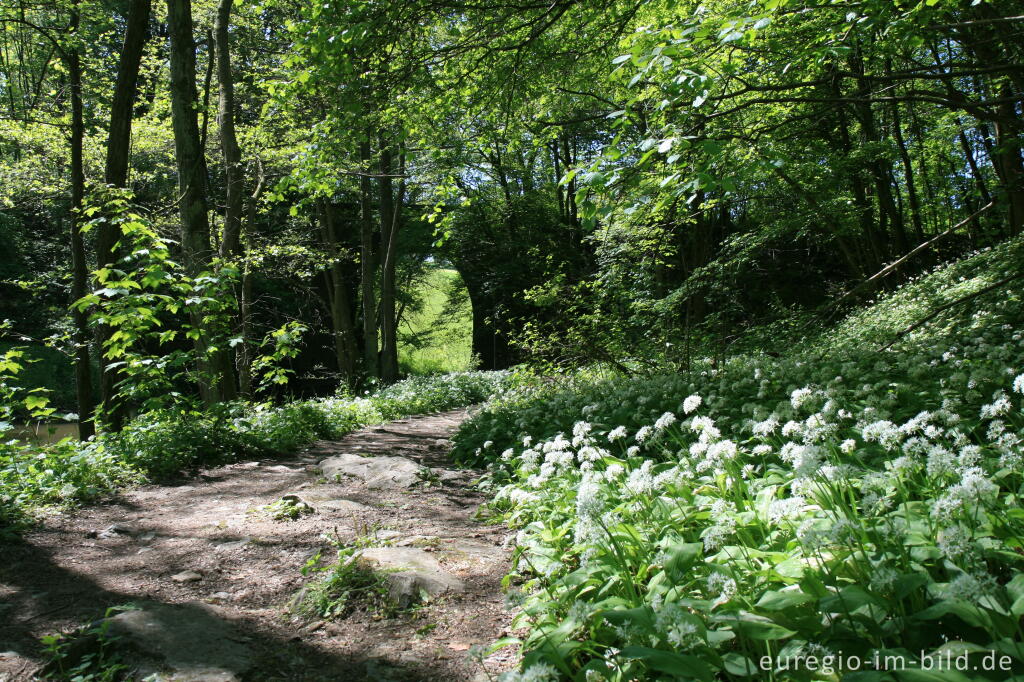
341 505
232 545
282 469
115 530
186 577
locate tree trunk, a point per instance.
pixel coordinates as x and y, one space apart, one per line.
243 351
367 266
346 349
231 238
79 270
119 139
908 172
188 152
230 245
390 219
120 134
1007 159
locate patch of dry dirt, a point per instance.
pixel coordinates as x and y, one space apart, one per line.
73 567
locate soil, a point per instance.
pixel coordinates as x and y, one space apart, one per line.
141 546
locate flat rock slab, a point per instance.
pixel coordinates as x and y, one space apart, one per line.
337 504
193 640
376 472
411 572
186 577
472 549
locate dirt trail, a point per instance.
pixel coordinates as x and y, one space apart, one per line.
245 566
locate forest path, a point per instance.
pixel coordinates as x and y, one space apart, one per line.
214 574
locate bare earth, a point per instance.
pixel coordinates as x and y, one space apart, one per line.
73 567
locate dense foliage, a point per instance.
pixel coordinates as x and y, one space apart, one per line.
216 215
839 502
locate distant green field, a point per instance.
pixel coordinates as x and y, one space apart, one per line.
436 337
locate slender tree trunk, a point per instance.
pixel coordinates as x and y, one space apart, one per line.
346 349
188 151
230 244
556 166
881 174
368 266
243 351
119 139
389 226
1007 158
571 210
979 179
231 238
908 173
79 269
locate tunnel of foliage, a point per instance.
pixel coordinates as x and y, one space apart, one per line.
758 262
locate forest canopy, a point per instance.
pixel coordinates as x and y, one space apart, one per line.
214 186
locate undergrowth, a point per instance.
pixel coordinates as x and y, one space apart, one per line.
89 654
783 517
345 586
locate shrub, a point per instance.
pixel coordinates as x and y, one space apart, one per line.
835 500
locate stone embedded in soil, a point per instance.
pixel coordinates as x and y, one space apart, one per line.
473 549
231 545
338 504
116 530
452 475
194 640
411 572
186 577
375 472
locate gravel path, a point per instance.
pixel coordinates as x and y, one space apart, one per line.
205 564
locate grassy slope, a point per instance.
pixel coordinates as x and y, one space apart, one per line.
437 337
553 407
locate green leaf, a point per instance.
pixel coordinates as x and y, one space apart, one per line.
740 665
670 662
36 402
783 599
682 556
754 626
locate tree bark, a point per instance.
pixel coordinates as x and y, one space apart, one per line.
119 139
908 172
367 266
230 245
346 349
389 226
231 240
243 352
191 163
120 134
1007 159
79 269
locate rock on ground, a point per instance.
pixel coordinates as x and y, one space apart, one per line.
193 640
376 472
411 572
